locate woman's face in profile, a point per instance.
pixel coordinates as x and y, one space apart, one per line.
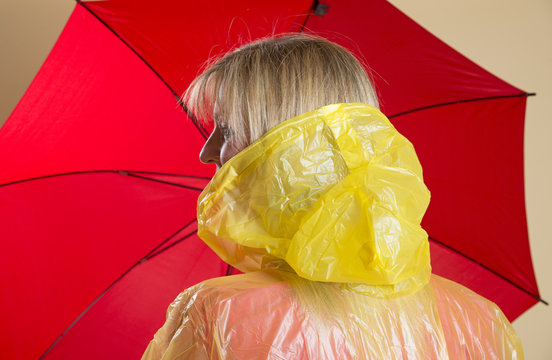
219 147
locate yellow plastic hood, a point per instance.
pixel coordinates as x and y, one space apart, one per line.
337 194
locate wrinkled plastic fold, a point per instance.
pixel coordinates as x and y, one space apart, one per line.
336 193
278 315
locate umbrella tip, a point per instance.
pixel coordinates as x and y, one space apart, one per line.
320 9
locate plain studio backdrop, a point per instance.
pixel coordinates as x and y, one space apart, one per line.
511 39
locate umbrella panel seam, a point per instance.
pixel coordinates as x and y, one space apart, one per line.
203 132
536 297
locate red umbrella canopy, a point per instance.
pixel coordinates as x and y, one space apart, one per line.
99 172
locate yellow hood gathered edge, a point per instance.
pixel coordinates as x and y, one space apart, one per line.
335 194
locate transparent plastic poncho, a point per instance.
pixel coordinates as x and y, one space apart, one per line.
323 214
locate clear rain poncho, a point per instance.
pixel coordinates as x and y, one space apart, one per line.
323 214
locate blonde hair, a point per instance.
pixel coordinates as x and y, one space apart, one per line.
259 85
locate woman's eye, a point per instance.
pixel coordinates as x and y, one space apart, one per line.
226 132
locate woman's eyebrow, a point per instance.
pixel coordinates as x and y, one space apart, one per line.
219 120
216 115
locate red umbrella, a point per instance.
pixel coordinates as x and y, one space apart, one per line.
100 174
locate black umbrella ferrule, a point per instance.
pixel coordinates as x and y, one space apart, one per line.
320 9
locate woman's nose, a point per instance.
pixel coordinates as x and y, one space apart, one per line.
210 154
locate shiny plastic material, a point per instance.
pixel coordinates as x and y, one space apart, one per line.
277 315
337 193
323 213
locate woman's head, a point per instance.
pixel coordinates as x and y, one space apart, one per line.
250 90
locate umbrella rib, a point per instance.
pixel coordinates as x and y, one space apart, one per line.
204 133
536 297
169 174
154 254
311 11
163 182
461 101
121 172
142 260
229 270
153 251
86 310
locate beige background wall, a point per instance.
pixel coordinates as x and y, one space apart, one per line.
511 38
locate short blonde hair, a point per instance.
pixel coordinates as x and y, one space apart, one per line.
259 85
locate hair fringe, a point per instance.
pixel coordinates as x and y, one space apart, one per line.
256 86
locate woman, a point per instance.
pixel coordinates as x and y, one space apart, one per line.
318 200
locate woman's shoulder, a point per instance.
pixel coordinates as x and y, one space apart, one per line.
457 297
473 324
234 285
234 291
220 310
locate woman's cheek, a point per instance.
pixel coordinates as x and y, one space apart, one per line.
228 151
